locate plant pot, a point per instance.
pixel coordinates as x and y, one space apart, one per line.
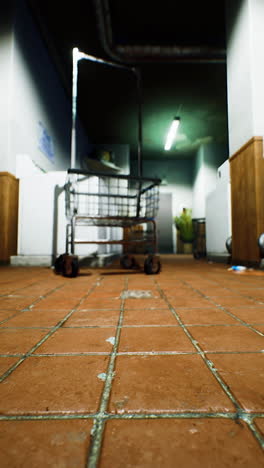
187 247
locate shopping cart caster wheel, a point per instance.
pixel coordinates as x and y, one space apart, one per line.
70 267
228 244
127 262
58 265
152 265
196 255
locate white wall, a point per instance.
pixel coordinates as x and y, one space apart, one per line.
245 71
36 108
6 49
239 77
257 63
36 214
42 218
207 160
218 213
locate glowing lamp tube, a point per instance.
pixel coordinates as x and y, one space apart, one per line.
172 133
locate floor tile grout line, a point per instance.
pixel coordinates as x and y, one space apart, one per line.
253 299
20 289
51 309
128 353
105 353
92 353
184 308
46 417
224 309
156 353
182 353
14 355
243 323
234 352
187 325
256 433
128 309
96 327
243 415
64 328
99 309
219 285
99 424
97 433
233 289
208 363
215 373
26 328
45 338
30 307
11 317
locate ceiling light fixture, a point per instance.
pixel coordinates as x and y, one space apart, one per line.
172 133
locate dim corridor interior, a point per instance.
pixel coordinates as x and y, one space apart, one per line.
116 368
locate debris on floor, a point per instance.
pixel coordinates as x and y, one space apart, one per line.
136 294
245 270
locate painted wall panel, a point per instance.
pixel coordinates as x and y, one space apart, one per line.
42 220
239 74
218 213
209 157
245 71
257 64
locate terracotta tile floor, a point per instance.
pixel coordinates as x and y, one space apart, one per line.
92 376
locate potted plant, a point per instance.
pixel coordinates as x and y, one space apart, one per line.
184 225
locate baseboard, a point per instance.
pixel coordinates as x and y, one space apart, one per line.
31 260
218 257
92 261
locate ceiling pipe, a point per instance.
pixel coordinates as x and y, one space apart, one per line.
150 53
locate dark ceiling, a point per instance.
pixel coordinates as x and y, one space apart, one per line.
179 48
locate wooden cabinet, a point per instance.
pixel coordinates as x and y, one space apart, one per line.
8 216
247 201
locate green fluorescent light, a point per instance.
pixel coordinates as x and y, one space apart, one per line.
172 133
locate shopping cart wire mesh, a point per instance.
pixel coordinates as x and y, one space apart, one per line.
110 200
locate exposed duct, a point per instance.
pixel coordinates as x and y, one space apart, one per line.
149 53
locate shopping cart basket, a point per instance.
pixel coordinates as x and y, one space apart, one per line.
98 199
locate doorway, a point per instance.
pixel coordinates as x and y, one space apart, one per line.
164 224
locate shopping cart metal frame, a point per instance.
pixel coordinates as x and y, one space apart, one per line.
143 197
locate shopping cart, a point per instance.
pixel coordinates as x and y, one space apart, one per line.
109 200
115 201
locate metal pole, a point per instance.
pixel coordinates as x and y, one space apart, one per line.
75 58
92 58
139 90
